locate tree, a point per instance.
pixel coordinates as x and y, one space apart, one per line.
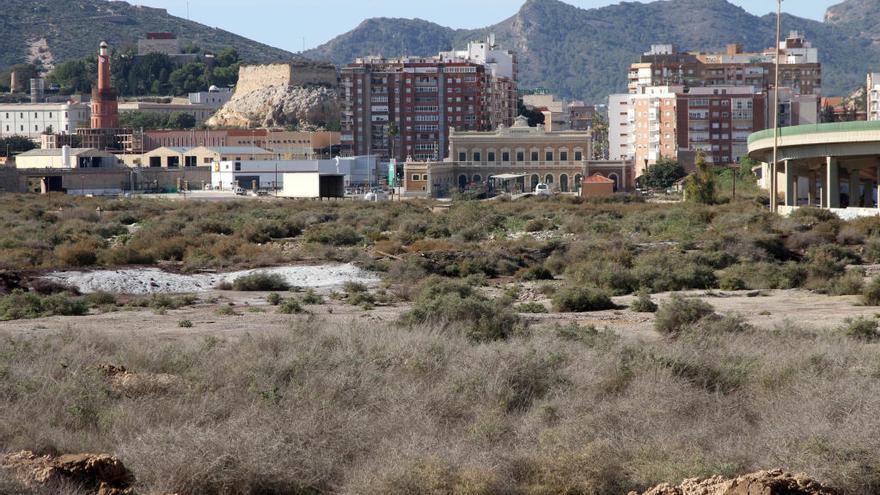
188 78
599 133
700 185
827 114
15 145
156 120
73 76
663 174
534 117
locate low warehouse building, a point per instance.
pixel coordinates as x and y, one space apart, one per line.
313 185
269 175
65 158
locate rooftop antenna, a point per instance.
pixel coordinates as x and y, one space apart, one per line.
187 10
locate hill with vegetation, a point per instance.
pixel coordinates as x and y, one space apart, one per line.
585 53
52 31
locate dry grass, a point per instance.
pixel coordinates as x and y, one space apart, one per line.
365 408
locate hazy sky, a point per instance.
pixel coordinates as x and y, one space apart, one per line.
291 24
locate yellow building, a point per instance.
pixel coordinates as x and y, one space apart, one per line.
172 156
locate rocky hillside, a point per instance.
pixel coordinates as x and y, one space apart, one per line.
585 53
775 482
57 30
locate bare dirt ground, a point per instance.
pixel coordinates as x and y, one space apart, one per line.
764 309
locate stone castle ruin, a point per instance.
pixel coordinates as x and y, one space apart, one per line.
300 95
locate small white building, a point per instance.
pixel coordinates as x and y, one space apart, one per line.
269 174
33 119
873 96
308 185
621 140
215 97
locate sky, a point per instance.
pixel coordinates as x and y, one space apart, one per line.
295 24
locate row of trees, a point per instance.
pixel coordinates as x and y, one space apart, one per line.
151 74
14 145
156 120
704 184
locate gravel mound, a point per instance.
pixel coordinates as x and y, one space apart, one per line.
155 281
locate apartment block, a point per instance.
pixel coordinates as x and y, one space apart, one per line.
561 115
664 65
407 107
717 121
424 99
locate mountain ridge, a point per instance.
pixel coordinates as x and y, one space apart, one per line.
58 30
586 53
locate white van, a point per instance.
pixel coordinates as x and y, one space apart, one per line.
542 190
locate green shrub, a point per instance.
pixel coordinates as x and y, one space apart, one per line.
274 299
534 273
679 313
454 304
362 299
643 303
763 275
80 253
100 298
353 287
23 305
663 271
871 294
862 328
185 324
312 297
226 311
64 305
581 299
333 234
850 284
531 307
260 281
290 306
609 275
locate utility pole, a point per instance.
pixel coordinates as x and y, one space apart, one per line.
773 172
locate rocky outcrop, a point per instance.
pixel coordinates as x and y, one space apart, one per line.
775 482
302 107
132 384
100 472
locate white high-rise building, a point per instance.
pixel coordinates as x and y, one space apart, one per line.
619 128
873 96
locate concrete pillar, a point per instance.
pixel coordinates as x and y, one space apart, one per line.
790 184
44 185
832 183
855 185
867 194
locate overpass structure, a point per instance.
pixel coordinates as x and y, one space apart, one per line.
834 166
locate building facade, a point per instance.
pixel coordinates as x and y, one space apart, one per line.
32 120
873 96
531 155
399 108
423 100
663 65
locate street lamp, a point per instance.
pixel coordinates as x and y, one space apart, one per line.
773 179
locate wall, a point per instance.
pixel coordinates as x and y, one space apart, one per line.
255 77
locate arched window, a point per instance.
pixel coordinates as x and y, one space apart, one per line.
616 180
563 183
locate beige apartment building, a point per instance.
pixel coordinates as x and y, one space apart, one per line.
173 157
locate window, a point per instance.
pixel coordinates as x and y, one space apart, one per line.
238 166
462 156
520 156
505 156
578 156
563 156
534 156
415 177
548 156
491 156
424 176
476 156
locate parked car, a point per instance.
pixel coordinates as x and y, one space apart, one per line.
542 189
240 191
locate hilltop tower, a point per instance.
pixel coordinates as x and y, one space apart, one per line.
105 113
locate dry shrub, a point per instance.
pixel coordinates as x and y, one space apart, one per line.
679 314
80 253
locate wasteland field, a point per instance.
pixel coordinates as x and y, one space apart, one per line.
538 346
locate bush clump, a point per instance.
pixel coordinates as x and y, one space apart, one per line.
862 329
333 234
643 303
290 306
260 281
581 300
452 304
680 313
24 305
533 307
871 294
